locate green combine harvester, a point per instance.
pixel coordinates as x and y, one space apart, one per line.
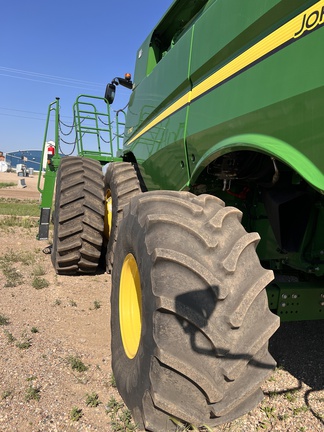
209 213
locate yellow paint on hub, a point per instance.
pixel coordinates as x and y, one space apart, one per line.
108 215
130 306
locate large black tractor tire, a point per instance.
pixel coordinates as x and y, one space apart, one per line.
190 320
121 185
78 217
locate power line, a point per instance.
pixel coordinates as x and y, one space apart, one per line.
28 112
43 82
54 79
26 117
14 109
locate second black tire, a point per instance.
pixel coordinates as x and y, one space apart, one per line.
121 185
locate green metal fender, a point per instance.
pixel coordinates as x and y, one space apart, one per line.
274 147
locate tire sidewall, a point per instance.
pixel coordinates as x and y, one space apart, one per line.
109 186
132 375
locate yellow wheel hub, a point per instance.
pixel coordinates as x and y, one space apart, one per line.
108 214
130 306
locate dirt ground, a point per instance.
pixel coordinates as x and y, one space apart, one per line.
17 191
47 327
71 316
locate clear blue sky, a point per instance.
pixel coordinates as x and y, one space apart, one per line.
64 48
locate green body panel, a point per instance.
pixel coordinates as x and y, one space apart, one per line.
153 98
257 100
232 105
264 105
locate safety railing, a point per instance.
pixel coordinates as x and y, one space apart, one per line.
95 136
93 127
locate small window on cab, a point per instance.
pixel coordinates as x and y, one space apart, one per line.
180 17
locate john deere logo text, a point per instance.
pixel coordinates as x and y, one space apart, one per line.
310 21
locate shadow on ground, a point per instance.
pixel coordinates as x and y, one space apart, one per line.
298 348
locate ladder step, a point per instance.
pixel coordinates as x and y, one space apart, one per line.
44 222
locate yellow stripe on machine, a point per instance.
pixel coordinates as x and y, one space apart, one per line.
293 29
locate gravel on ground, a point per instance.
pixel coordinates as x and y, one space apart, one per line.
48 330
